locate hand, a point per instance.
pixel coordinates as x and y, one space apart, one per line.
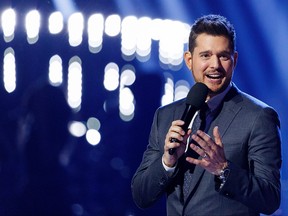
175 131
212 152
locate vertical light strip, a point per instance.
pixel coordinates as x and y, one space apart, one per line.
95 28
74 88
55 22
9 70
32 23
8 21
55 71
75 29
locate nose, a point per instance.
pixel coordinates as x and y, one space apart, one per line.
215 62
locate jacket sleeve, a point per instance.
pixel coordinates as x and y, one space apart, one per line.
151 179
258 187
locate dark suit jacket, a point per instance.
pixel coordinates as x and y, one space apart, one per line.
251 138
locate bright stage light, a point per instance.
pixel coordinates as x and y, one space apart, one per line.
128 76
8 21
182 88
113 25
95 29
77 129
55 70
32 23
75 83
9 70
168 96
75 29
55 22
93 137
111 76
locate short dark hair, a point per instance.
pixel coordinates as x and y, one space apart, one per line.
215 25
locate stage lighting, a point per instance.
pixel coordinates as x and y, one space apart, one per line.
8 21
32 23
93 136
168 96
75 29
95 29
182 88
111 76
55 71
9 70
75 83
77 128
55 22
113 25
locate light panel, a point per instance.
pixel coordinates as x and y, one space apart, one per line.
9 70
75 29
95 30
55 71
8 21
32 23
75 83
56 22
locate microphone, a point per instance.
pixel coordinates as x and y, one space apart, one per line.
194 100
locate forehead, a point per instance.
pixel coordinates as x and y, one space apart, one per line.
211 42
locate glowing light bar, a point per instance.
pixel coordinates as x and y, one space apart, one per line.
95 29
55 22
75 29
126 96
144 38
55 70
111 76
182 88
171 45
93 135
168 96
129 36
128 76
8 21
113 25
126 103
9 70
75 83
32 23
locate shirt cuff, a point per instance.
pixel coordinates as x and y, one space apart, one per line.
170 170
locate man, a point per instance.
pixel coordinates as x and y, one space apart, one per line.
233 166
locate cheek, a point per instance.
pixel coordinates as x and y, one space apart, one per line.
199 69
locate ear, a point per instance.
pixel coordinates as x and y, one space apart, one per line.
188 59
235 59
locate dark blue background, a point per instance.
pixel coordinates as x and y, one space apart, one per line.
98 186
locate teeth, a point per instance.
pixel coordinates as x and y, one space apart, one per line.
214 76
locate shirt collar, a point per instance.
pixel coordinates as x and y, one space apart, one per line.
214 102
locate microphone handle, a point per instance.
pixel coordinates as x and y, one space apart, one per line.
186 117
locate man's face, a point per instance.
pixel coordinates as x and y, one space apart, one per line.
212 62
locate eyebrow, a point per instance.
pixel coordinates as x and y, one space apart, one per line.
222 52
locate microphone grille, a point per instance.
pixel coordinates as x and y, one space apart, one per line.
197 95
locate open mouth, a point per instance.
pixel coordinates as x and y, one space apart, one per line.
214 76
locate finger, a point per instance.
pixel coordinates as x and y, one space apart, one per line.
199 151
176 127
205 137
202 163
217 137
202 143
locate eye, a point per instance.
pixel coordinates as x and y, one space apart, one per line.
225 57
205 55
